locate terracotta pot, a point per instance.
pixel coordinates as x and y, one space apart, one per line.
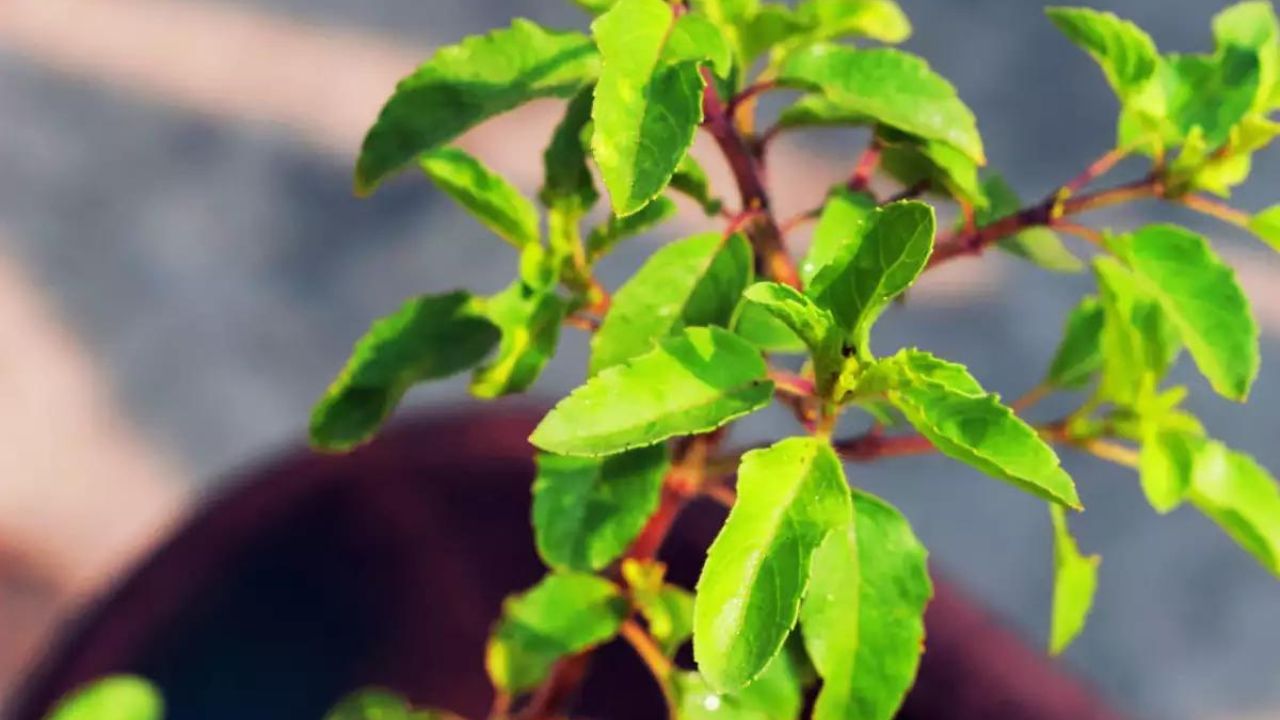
313 575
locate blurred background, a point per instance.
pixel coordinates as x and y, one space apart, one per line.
183 268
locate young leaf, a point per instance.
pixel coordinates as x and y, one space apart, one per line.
695 281
692 180
890 86
587 511
1242 497
1038 245
530 321
863 619
118 697
1200 296
429 337
667 609
1166 464
1266 225
748 596
693 382
762 329
491 199
881 20
947 406
1126 53
870 272
812 324
646 110
1138 342
563 614
1211 92
602 238
839 225
1079 356
567 183
1075 579
465 84
377 704
1253 25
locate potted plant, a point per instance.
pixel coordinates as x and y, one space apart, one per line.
812 595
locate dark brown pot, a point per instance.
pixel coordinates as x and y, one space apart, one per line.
312 576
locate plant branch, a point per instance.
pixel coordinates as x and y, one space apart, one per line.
1097 169
1213 208
766 238
860 180
1081 231
875 446
649 652
789 383
973 241
750 93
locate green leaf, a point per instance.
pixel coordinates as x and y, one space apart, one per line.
1211 92
645 110
863 619
563 614
839 226
775 694
691 383
667 609
602 239
775 27
893 87
1166 463
914 161
1079 355
759 327
567 182
497 204
465 84
691 180
1138 342
1075 579
1038 245
812 324
1266 225
1199 294
748 597
429 337
117 697
377 704
530 321
1242 497
881 20
587 511
1126 53
948 407
1253 25
695 37
871 271
595 7
691 282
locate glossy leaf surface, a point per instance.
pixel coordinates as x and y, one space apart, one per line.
692 382
790 496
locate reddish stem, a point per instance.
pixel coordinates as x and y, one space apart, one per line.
874 446
763 231
973 241
860 180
